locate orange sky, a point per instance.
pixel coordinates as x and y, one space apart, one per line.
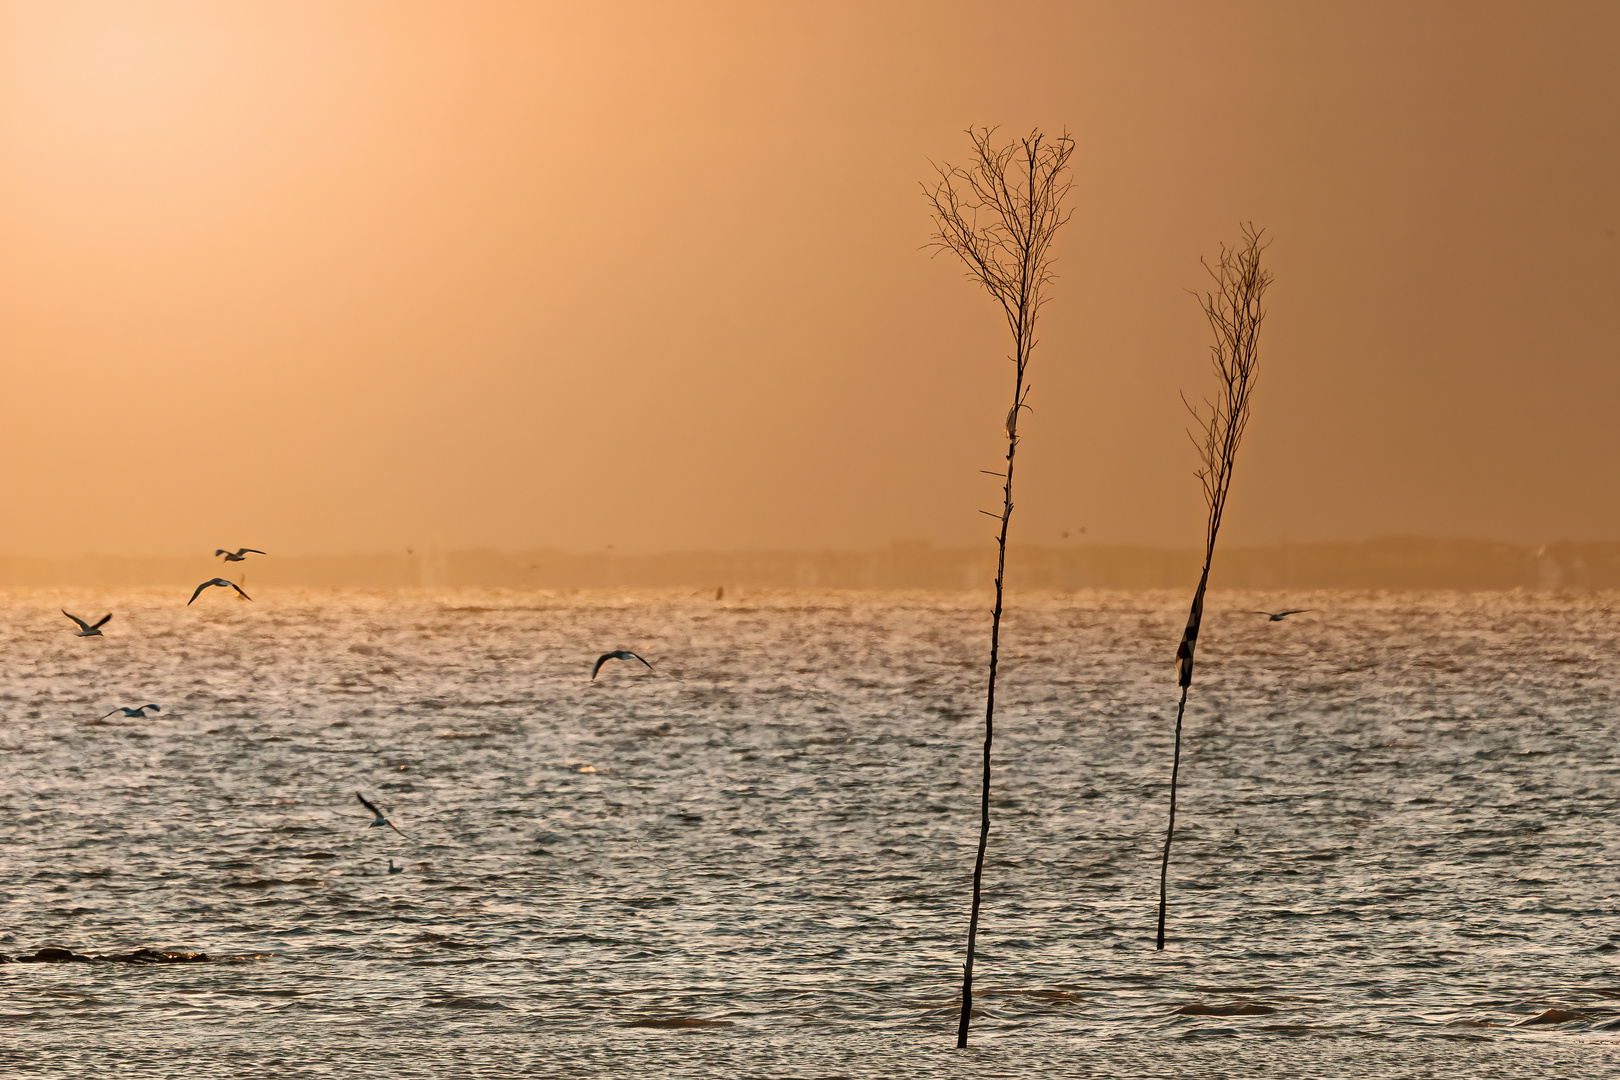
337 275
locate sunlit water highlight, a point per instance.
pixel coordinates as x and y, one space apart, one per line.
1398 835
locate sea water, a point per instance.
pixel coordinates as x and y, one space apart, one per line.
1395 848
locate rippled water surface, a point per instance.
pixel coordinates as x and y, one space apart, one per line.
1398 836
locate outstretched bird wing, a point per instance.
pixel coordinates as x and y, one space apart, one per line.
616 654
200 588
109 714
238 588
86 626
382 818
1296 611
154 708
101 621
252 551
220 551
1267 614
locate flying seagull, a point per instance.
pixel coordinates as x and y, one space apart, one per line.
139 711
1279 616
85 629
616 654
211 581
241 554
381 818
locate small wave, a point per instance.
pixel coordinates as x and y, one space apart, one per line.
1240 1008
475 1004
1556 1016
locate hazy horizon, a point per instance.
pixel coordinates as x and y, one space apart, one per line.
113 550
1399 564
358 276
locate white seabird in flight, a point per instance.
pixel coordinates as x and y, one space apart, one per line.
241 554
85 629
616 654
212 581
381 818
139 712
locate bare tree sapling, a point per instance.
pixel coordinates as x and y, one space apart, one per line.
999 214
1234 310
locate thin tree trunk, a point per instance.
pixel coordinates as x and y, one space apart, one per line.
1184 660
1170 832
989 721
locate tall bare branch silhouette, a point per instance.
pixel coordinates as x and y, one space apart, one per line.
1235 311
999 215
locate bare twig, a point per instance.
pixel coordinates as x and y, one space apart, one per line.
999 215
1235 311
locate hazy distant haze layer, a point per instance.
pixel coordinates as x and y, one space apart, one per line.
350 276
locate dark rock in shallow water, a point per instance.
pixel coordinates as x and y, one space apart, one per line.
56 956
52 955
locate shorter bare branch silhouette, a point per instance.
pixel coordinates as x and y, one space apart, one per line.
1235 311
